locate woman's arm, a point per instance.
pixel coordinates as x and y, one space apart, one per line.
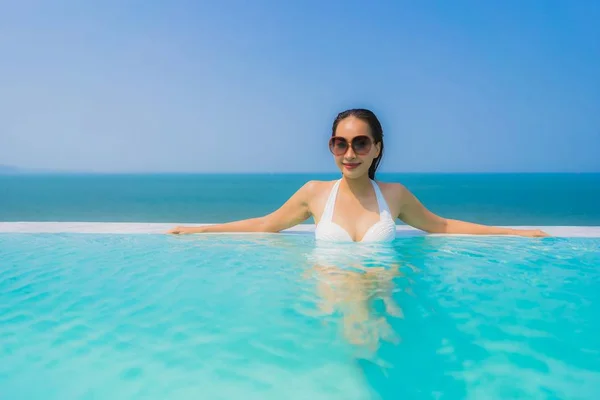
413 213
293 212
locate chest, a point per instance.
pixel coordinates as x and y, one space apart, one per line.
352 217
356 216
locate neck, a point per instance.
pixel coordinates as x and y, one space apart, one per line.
359 186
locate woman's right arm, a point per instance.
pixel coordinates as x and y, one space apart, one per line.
293 212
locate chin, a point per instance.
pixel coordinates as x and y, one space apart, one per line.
353 174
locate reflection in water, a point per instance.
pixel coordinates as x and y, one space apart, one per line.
358 285
353 294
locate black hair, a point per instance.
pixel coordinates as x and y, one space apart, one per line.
376 131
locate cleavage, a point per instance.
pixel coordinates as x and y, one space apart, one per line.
369 218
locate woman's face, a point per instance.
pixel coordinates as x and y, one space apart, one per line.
353 147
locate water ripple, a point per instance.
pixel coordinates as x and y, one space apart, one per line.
275 316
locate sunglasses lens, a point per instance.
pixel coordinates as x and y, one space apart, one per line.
338 146
361 144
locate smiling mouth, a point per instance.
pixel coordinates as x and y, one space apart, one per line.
351 165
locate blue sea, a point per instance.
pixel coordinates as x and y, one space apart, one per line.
270 316
500 199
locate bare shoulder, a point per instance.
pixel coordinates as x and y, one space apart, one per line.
393 191
313 189
316 193
395 195
317 186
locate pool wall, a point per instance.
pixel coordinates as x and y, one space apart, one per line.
155 228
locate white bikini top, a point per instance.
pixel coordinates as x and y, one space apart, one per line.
383 230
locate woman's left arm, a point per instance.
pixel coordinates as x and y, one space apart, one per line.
413 213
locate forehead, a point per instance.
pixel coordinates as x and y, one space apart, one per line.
351 127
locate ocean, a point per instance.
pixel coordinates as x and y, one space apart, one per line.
499 199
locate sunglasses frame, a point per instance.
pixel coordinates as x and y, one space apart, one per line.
351 144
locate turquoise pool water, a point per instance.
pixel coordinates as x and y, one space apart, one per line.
272 316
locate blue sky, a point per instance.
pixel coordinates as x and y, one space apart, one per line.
232 86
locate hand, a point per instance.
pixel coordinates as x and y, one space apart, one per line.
177 230
182 230
532 233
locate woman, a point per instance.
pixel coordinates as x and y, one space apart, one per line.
355 207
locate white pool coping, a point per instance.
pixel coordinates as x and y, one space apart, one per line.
154 228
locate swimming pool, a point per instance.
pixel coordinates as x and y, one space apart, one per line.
127 316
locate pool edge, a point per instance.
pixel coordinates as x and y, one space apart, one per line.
156 228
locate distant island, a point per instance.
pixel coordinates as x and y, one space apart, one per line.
9 169
13 170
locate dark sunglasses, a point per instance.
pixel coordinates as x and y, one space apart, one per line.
361 145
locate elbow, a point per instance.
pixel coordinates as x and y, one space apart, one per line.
265 226
444 226
441 226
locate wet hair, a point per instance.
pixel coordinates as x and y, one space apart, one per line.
375 126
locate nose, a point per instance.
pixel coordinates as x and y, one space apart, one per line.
350 153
